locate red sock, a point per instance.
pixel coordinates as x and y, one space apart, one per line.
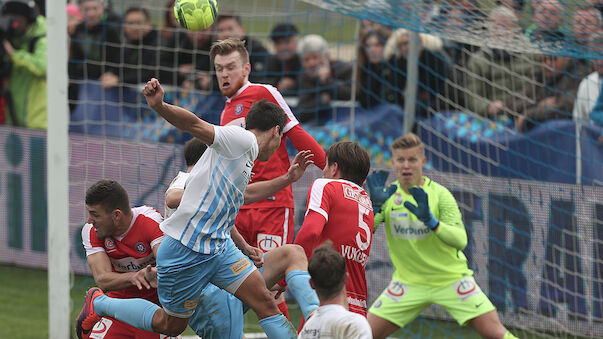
284 310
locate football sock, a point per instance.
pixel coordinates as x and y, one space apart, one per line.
278 327
136 312
299 285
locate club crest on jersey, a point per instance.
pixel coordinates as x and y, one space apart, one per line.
109 243
398 200
239 109
140 247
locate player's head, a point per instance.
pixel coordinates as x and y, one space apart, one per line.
327 271
408 159
193 150
108 207
347 160
231 61
267 120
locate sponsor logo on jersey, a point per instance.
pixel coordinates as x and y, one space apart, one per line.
267 242
398 200
101 328
356 195
191 304
129 264
466 288
396 290
140 247
409 229
239 266
110 245
356 302
239 109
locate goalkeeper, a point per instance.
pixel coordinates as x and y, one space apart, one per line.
425 237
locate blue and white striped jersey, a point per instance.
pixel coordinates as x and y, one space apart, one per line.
214 191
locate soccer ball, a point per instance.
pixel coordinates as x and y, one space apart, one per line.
195 15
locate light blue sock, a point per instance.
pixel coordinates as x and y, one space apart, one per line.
299 285
136 312
277 326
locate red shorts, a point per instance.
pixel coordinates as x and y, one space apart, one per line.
111 328
266 228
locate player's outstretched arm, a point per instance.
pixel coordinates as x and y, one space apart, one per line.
181 118
108 280
263 189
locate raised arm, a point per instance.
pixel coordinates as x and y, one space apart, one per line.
263 189
177 116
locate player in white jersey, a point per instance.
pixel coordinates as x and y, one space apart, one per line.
193 150
198 248
332 320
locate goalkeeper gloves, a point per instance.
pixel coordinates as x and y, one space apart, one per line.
375 183
422 210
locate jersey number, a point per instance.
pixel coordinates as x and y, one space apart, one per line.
362 211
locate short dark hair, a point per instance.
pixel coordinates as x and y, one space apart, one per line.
228 15
327 270
227 46
283 30
264 115
353 160
133 9
193 150
109 194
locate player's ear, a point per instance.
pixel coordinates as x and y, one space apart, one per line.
246 69
312 283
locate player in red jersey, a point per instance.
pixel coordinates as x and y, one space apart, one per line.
121 245
341 211
268 223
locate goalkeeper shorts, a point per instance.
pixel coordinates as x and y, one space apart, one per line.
400 303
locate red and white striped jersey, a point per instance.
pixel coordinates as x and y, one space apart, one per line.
348 223
235 112
131 251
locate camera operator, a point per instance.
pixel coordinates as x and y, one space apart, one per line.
23 38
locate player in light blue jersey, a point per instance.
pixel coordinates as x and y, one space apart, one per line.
198 248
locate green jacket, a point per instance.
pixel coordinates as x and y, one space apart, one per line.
497 76
26 83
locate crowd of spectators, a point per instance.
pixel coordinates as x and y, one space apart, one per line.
490 81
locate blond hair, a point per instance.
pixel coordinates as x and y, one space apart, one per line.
407 141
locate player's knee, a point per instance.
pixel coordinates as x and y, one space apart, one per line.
170 326
296 255
266 306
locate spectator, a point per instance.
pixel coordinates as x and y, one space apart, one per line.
284 67
94 48
140 55
550 97
25 55
590 87
374 74
74 18
323 80
229 26
170 24
185 61
587 21
431 68
548 17
494 74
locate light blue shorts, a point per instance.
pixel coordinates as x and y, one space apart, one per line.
183 274
219 315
